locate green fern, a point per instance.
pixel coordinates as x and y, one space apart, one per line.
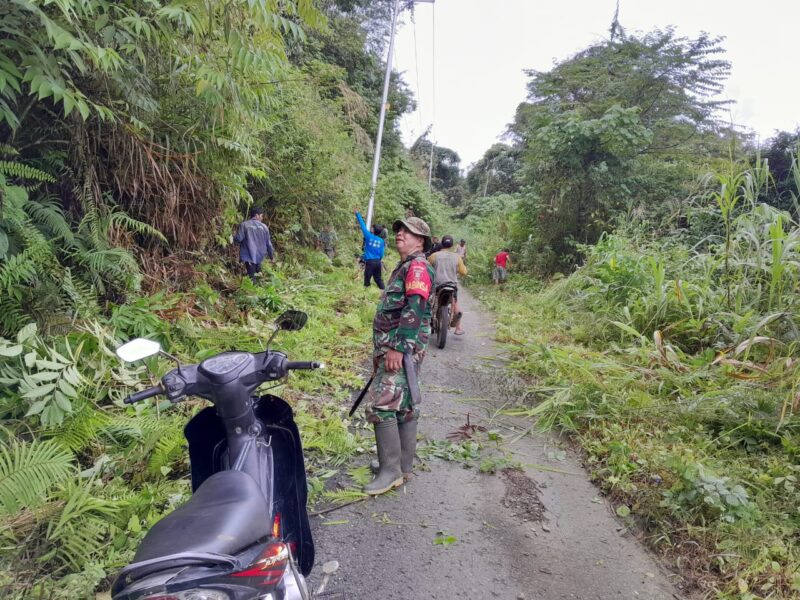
6 151
122 431
48 215
82 525
345 495
22 171
81 429
28 470
168 450
361 475
82 296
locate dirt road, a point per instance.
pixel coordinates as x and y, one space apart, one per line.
455 533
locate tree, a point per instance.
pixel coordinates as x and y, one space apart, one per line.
593 123
445 172
497 172
356 40
672 81
780 152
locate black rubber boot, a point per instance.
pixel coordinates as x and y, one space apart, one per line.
408 447
387 439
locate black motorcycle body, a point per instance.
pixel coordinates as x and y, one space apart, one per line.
244 534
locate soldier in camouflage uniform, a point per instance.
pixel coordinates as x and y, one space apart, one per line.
401 327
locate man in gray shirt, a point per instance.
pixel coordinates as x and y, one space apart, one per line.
255 242
448 266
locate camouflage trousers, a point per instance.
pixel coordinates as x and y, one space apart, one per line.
389 397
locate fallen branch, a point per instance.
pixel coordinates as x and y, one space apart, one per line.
325 511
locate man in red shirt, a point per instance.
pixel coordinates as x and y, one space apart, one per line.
501 263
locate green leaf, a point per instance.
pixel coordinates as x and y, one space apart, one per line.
52 415
40 391
623 511
43 376
69 104
71 374
444 539
63 402
3 244
30 359
11 351
49 365
37 407
67 388
26 333
59 357
133 524
83 108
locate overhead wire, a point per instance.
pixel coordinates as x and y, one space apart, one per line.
416 65
433 92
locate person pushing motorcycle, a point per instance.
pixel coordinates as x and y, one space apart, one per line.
401 329
448 266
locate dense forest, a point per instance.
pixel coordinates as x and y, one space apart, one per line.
652 310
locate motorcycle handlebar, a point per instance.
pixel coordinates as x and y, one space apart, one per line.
144 394
304 365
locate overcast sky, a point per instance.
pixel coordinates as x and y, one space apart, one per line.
482 47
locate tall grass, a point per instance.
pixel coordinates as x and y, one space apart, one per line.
674 362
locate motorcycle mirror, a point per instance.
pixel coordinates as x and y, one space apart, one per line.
138 349
291 320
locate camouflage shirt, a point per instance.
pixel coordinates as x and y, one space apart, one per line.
403 319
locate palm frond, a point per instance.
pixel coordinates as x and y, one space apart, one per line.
80 529
28 470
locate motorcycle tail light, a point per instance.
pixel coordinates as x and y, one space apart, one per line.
270 565
276 526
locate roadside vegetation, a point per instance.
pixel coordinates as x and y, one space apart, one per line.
652 307
670 356
678 379
134 136
83 476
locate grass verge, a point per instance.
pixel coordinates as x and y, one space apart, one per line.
690 450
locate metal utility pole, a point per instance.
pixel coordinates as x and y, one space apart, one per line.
376 162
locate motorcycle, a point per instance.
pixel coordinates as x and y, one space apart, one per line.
244 534
440 317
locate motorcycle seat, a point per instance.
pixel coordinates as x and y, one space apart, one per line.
226 514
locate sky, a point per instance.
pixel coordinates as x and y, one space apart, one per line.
482 47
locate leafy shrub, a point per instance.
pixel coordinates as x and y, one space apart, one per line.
39 381
707 496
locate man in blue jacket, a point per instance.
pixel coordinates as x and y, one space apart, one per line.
373 252
254 242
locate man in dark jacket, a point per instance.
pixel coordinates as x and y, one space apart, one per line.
255 242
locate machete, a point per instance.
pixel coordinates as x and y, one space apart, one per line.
361 396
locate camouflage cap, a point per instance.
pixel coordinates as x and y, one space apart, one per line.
416 226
